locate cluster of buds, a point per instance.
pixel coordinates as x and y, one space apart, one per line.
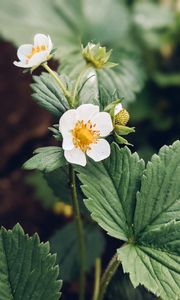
97 56
120 117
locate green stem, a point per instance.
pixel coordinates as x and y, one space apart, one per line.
107 276
80 233
97 278
58 80
77 82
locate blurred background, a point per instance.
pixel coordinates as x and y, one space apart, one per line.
146 35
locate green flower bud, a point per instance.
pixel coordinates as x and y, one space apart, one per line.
120 140
97 56
123 130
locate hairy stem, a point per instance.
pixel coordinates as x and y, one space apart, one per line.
97 278
107 276
80 233
58 80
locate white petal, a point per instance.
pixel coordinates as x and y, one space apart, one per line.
75 156
24 50
50 44
67 121
103 123
87 111
67 143
99 151
38 58
20 64
118 108
41 39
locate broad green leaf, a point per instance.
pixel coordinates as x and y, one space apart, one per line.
60 19
49 95
46 159
160 190
158 271
151 254
68 251
111 187
125 80
27 269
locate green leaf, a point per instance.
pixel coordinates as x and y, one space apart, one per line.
158 271
49 95
160 190
61 20
151 254
27 269
125 80
46 159
111 200
68 251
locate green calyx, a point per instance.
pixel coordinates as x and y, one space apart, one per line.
97 56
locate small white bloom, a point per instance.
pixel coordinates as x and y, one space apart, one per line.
34 55
82 130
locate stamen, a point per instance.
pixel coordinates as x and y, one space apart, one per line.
85 134
35 50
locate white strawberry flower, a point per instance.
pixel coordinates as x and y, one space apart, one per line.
34 55
83 130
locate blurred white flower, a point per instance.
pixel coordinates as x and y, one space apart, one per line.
34 55
82 130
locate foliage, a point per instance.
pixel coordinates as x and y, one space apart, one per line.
27 269
49 95
151 254
68 253
46 159
131 201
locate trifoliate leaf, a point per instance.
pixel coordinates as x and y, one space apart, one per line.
49 95
27 269
151 254
46 159
68 251
111 187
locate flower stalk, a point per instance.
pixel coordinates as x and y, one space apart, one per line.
107 276
58 80
80 232
97 278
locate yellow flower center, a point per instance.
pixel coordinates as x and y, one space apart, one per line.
85 134
36 50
